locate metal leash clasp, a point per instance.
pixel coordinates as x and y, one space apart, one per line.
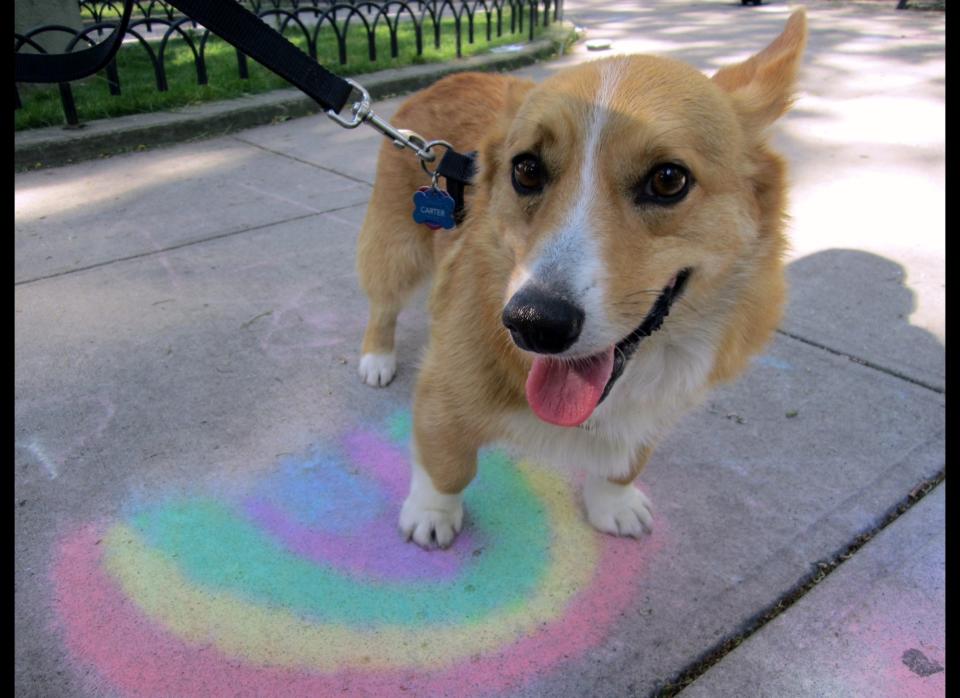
363 113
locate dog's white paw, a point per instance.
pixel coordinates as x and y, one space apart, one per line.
430 527
431 518
622 510
378 369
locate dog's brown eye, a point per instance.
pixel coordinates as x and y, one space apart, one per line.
666 184
528 174
668 181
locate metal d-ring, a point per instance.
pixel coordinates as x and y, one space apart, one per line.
423 161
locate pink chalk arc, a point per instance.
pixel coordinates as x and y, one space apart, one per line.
135 650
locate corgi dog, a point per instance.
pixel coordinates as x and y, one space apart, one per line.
620 255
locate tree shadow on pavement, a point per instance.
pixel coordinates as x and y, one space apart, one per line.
858 303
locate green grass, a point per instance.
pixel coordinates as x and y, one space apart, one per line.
139 94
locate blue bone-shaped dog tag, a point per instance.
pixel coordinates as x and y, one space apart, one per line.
434 208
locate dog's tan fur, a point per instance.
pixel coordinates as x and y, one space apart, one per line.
729 229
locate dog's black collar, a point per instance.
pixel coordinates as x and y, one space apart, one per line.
651 323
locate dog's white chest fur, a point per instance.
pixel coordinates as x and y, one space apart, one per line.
663 380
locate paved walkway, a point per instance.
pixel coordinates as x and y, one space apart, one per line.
206 494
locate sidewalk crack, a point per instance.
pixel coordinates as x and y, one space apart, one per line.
303 162
864 362
821 570
211 238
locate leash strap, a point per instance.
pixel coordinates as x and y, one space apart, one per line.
238 26
225 18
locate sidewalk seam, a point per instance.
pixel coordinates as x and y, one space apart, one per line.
328 170
864 362
212 238
823 569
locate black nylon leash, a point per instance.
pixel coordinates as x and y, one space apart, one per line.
227 19
238 26
244 30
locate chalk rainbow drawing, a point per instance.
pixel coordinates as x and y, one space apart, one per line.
304 587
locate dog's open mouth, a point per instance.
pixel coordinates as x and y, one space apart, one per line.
565 392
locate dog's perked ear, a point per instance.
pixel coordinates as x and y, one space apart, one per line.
762 86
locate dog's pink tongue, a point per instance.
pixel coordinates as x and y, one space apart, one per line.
564 393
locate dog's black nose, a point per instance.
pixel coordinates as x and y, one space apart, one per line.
541 321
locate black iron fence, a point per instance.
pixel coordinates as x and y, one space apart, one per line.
155 23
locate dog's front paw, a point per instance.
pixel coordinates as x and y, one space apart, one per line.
622 510
431 523
378 369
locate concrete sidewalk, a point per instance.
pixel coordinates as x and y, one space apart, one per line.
205 492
